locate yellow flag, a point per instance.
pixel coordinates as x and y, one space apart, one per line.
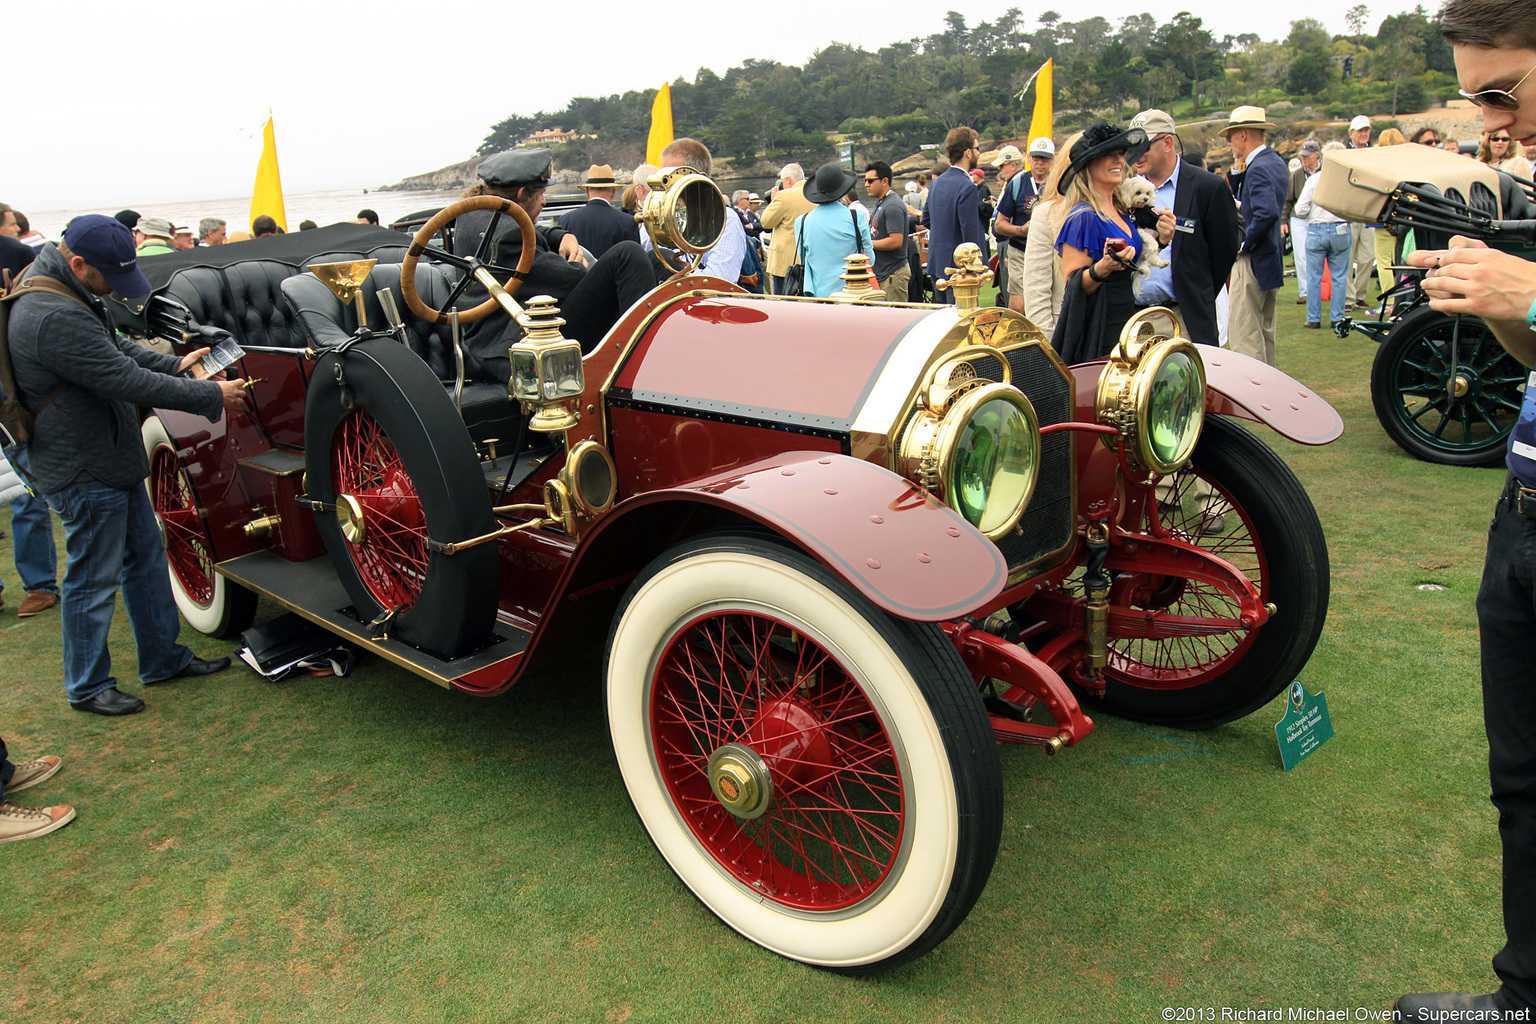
1040 125
268 195
661 125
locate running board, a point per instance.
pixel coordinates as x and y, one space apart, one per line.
312 590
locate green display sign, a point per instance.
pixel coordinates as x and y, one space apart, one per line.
1304 727
845 156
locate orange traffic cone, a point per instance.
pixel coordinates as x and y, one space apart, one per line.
1327 289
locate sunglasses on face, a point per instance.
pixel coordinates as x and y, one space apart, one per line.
1497 99
1498 138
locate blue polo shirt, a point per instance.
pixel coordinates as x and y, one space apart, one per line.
1157 289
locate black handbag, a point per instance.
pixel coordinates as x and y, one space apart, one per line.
794 277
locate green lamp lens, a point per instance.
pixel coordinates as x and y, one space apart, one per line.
994 464
1175 409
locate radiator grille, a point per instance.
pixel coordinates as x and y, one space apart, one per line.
1048 522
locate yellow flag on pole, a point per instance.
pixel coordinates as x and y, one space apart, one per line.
267 197
661 125
1041 124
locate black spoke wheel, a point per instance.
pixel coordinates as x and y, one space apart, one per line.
1453 404
390 443
1269 530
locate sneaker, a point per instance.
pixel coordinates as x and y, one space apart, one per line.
30 773
18 822
1211 524
1312 325
35 602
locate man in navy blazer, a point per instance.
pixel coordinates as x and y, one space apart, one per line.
1205 230
1258 272
598 226
952 213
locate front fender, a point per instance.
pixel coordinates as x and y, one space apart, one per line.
912 556
1239 385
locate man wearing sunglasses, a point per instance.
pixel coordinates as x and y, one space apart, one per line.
1494 42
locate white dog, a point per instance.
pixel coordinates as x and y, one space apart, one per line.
1136 193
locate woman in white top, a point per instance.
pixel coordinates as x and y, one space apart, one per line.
1497 150
1328 244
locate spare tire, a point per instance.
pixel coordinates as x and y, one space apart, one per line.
384 434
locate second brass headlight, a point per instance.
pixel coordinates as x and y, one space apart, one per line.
1153 390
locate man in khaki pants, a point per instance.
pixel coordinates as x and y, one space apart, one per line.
779 216
1258 272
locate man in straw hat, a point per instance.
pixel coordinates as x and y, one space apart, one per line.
1494 43
1258 272
598 226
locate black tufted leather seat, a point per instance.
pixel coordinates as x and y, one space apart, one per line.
246 298
326 321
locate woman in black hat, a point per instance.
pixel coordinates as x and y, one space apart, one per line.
1097 242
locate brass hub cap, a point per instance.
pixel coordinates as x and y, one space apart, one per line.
1460 386
349 513
740 780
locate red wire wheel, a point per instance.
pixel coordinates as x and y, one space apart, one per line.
209 602
821 775
384 444
1257 516
391 554
742 704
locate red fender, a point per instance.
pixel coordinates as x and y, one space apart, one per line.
909 554
1239 385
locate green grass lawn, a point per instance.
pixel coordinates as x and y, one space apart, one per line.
377 849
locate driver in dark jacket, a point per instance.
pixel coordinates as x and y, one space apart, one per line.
591 298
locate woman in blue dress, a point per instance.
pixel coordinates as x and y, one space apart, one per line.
1097 242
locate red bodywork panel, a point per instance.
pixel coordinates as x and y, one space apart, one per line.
748 356
907 553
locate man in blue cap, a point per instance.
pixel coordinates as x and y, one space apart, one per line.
86 382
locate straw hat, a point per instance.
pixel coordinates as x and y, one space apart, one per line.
1246 117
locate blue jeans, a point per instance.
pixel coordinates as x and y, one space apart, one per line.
1327 243
37 560
111 540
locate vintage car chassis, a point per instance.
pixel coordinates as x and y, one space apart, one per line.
808 654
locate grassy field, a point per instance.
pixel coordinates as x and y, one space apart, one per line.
377 849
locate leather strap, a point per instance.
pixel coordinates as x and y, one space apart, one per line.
38 284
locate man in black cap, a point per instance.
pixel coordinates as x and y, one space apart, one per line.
831 232
591 298
598 225
89 382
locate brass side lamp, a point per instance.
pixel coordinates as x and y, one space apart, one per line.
859 283
967 277
685 215
345 280
547 374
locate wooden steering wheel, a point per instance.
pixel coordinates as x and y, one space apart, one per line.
470 266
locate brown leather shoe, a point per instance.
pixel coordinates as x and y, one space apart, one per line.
35 602
30 773
18 822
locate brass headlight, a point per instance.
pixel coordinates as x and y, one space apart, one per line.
684 212
1153 390
980 452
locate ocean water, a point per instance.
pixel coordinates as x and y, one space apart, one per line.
321 207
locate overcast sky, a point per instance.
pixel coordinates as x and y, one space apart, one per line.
165 101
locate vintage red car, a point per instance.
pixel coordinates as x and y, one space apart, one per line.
835 549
